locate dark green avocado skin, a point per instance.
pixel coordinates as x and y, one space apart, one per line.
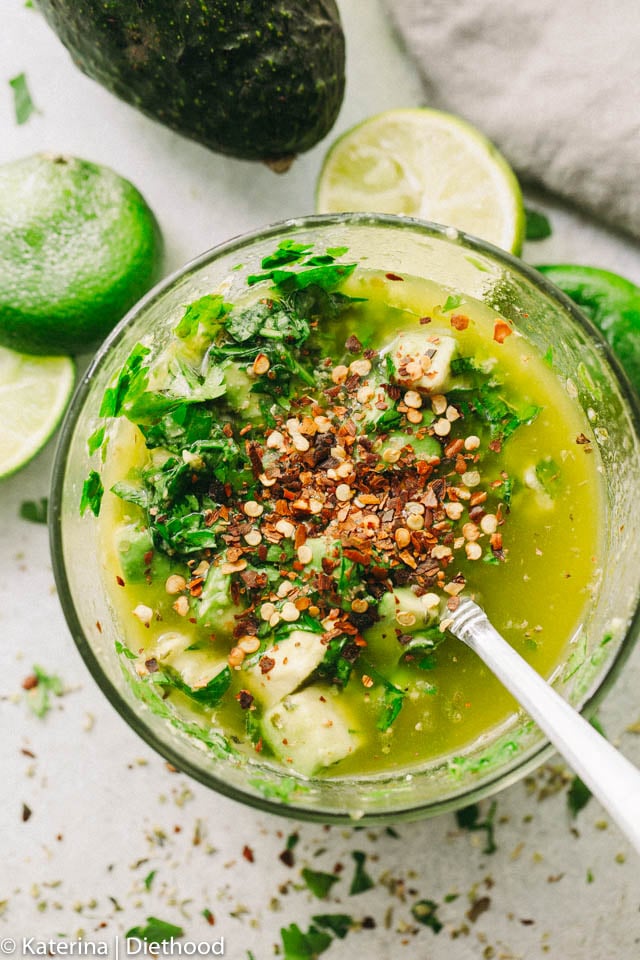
248 78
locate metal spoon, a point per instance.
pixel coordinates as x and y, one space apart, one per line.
609 776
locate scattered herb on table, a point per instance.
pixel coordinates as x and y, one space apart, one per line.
35 511
361 880
155 931
318 882
537 226
22 103
148 880
469 819
39 687
425 912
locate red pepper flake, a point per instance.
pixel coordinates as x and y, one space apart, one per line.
98 626
460 322
120 581
393 276
30 682
26 813
352 344
247 853
245 699
501 330
266 664
209 917
424 320
582 439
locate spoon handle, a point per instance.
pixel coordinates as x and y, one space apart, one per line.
609 776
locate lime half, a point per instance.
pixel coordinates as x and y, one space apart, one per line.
427 164
34 392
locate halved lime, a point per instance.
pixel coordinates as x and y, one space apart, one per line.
34 392
428 164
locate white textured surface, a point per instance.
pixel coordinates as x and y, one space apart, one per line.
555 85
105 810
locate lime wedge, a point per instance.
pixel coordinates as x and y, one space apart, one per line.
427 164
34 392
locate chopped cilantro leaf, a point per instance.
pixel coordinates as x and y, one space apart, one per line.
297 945
38 697
148 880
155 931
452 302
326 276
35 511
469 819
91 496
204 313
132 375
124 651
211 694
549 476
578 796
425 912
95 441
22 103
338 923
361 880
319 883
537 226
548 356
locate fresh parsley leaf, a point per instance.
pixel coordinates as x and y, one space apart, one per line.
35 511
452 302
155 931
537 226
319 883
469 819
91 496
361 880
22 103
425 912
39 696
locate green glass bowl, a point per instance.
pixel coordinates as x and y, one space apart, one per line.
583 362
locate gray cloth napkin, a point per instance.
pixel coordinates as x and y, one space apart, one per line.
554 83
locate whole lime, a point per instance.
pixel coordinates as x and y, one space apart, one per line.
78 247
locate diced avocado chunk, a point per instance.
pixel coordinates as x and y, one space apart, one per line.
424 447
432 353
238 392
215 607
401 605
201 674
310 730
134 546
401 613
294 659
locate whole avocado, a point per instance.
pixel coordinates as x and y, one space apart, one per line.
249 78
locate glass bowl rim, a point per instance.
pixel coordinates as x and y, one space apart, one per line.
500 779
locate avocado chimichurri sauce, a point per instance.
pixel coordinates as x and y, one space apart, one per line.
302 485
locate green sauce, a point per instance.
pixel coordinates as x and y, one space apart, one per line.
301 486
